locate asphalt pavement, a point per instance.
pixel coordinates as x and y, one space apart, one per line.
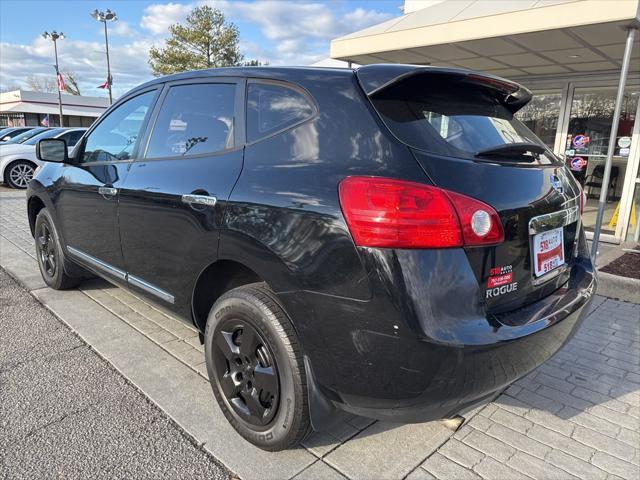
66 413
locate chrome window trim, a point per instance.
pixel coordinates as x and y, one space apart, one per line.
121 275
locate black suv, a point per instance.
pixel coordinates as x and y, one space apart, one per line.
389 241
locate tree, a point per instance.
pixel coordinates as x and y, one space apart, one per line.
254 63
41 83
71 83
205 41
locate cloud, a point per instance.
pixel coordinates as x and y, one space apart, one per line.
158 18
293 33
85 59
300 32
121 29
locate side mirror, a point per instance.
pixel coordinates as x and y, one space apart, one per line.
5 138
52 150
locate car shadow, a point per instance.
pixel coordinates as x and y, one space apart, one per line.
593 381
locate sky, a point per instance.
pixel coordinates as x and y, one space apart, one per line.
275 31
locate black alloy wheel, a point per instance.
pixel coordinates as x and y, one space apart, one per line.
247 372
54 267
47 252
256 367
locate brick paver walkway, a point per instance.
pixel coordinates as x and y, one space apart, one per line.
577 416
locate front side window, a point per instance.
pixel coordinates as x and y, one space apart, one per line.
272 107
194 119
116 136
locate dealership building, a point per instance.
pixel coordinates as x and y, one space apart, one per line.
570 53
26 108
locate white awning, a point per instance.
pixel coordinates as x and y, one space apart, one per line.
21 101
26 107
514 38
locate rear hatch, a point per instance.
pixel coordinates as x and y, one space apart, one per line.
460 126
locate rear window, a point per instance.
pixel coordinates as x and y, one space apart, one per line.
451 118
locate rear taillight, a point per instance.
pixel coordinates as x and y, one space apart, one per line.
384 212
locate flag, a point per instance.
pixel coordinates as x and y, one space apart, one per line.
61 85
45 121
106 84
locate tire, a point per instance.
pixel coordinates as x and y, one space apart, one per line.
49 254
248 338
18 174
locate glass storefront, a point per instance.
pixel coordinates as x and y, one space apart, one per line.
541 115
587 140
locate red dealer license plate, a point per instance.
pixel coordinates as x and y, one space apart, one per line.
548 251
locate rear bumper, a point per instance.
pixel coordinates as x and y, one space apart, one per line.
462 376
423 348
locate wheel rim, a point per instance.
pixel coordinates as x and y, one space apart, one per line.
246 372
47 250
21 174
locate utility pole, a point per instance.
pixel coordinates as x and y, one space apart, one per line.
55 36
105 17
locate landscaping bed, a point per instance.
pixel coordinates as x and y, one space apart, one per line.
628 265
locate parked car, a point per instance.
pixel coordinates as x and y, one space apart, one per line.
18 161
24 136
8 133
389 241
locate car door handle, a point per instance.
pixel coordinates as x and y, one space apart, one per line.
107 191
205 200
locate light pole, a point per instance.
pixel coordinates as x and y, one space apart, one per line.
105 17
55 36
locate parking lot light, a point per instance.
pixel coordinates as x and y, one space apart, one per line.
104 17
55 36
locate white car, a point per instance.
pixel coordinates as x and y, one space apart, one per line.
18 161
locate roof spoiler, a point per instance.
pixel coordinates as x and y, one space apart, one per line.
375 79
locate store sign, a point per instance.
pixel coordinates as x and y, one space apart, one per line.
581 141
624 142
577 164
624 152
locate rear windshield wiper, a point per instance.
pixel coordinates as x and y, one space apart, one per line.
510 149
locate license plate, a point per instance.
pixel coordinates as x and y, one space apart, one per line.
548 251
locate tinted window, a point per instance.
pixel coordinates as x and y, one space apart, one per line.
53 132
116 135
451 118
194 119
72 137
26 135
274 107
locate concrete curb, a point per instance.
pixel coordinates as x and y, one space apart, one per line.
619 288
614 286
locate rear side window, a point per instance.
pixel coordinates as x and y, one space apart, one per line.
272 107
194 119
451 118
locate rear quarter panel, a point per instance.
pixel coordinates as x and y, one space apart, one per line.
284 219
